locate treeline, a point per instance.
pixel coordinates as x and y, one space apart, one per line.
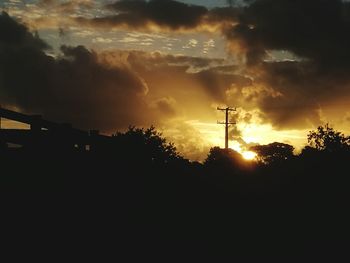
282 203
144 154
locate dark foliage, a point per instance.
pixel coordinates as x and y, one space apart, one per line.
138 190
327 139
273 152
146 145
223 158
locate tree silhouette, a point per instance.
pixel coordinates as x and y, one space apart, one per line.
146 145
223 159
273 152
327 139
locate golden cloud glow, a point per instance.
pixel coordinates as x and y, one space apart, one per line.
206 134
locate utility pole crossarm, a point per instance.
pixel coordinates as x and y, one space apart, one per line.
222 122
226 109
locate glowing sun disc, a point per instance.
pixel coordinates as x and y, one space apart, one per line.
249 155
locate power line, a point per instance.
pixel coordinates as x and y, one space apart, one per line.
226 122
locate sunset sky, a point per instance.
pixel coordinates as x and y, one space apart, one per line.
284 64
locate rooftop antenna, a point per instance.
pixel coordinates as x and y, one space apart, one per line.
227 110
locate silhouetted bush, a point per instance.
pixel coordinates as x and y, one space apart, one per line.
145 146
223 159
327 139
273 152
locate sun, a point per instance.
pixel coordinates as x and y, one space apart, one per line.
248 155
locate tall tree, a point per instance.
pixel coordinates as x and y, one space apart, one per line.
325 138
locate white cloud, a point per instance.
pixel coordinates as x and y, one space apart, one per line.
102 40
84 33
208 45
128 40
192 43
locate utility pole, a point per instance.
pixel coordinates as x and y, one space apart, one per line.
227 123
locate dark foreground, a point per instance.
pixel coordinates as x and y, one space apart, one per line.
177 210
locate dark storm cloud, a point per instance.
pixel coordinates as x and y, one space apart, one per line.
164 15
299 102
305 90
314 29
74 87
13 34
138 13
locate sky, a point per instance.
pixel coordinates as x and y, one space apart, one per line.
284 65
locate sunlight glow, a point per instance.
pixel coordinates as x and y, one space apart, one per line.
250 134
248 155
236 146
